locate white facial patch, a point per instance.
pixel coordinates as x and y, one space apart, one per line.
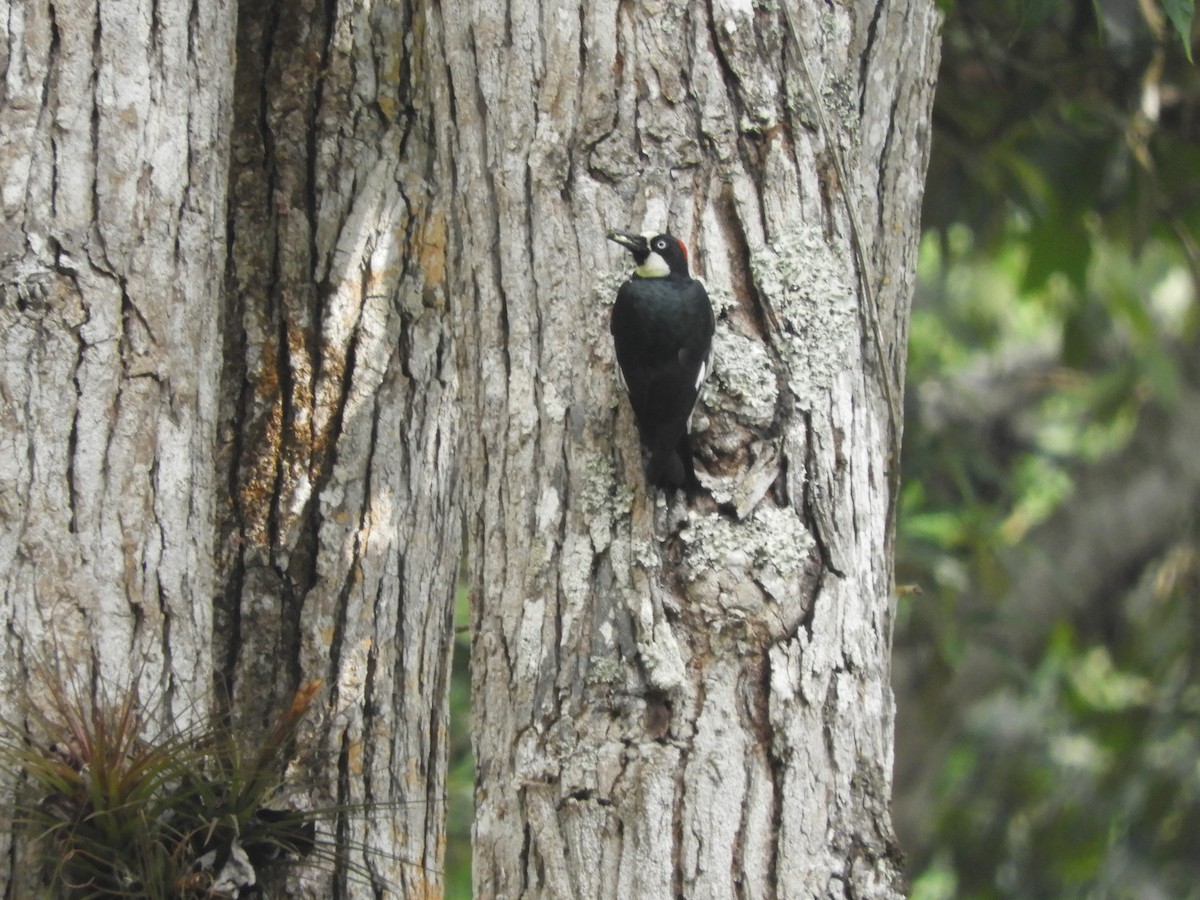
654 267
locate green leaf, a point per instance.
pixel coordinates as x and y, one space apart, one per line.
945 529
1035 12
1058 244
1163 375
1180 13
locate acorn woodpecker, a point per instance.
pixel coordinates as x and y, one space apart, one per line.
662 327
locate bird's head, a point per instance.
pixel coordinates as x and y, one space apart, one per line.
656 255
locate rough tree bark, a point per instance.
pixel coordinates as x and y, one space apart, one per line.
672 699
678 699
341 536
113 128
326 364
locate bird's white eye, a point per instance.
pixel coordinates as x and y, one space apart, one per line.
660 244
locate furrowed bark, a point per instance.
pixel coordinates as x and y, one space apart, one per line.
671 699
114 119
674 699
341 536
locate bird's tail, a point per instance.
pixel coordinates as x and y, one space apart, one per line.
671 467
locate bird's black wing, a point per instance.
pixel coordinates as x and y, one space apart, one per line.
662 330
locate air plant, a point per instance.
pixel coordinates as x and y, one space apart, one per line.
187 815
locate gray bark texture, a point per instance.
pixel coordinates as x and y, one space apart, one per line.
229 428
270 276
679 699
340 537
114 119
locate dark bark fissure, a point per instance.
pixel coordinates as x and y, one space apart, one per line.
51 81
13 865
234 383
170 683
812 518
193 29
73 436
154 50
867 58
341 873
371 796
94 186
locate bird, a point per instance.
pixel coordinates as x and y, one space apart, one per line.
662 327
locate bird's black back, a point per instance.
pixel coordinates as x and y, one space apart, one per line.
662 330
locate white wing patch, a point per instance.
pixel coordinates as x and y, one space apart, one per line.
705 368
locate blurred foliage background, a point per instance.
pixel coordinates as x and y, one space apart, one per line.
1047 643
1048 549
461 780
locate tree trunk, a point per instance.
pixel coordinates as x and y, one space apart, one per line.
341 535
415 196
673 698
305 417
113 124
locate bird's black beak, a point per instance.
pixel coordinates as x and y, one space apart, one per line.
634 243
